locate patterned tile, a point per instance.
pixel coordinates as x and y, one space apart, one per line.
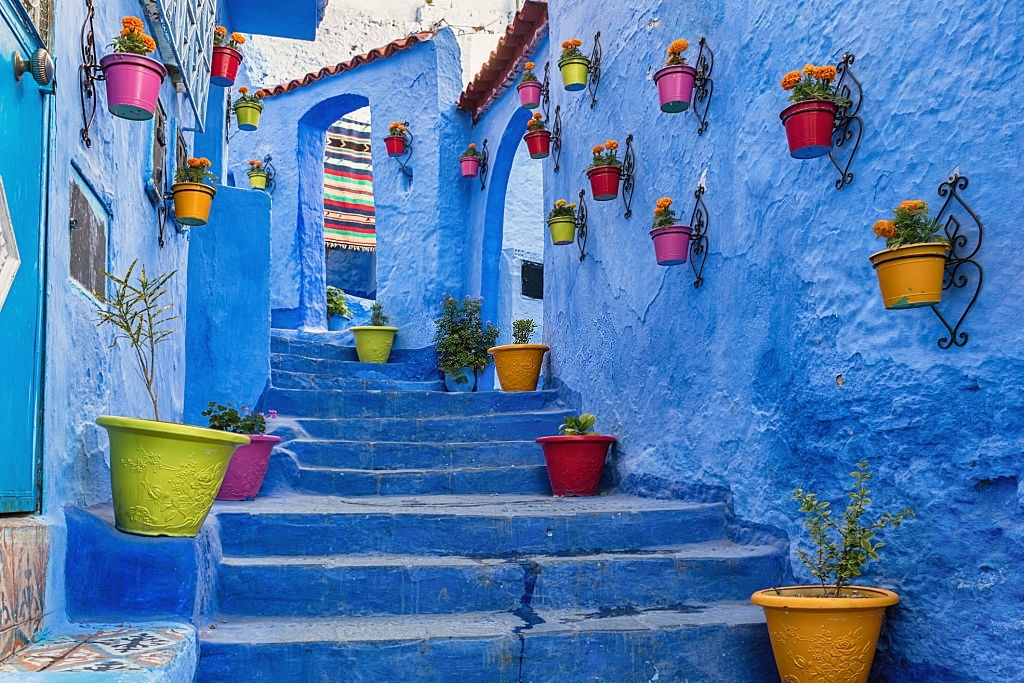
125 649
24 550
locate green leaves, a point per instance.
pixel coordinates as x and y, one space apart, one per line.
573 425
462 338
522 330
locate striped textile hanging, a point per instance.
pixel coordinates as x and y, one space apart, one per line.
349 220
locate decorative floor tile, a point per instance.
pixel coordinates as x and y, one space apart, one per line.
125 649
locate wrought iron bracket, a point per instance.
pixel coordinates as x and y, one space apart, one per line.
268 168
89 72
703 85
403 158
556 138
849 126
545 91
628 180
699 232
594 70
956 216
165 210
483 166
581 225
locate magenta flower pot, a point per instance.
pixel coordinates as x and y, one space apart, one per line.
538 142
604 182
470 166
133 84
248 466
575 463
529 94
224 65
809 126
675 87
671 244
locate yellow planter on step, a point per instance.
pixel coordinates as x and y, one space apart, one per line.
518 365
911 276
373 342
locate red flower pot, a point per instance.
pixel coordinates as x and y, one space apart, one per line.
539 143
248 466
224 66
529 94
809 125
575 463
604 182
470 166
395 145
675 87
671 244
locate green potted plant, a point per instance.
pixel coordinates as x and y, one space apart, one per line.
193 191
809 121
163 475
538 137
374 341
671 239
337 308
529 87
518 364
248 466
257 175
562 222
911 268
462 340
604 171
574 65
248 109
828 631
575 458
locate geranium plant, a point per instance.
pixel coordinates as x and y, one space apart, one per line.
563 209
462 337
399 130
244 421
195 170
471 151
911 225
813 83
675 52
221 38
664 216
605 155
536 123
254 98
571 50
522 330
528 75
132 39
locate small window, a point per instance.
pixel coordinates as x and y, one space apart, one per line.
533 279
88 223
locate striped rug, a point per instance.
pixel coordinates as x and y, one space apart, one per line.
348 187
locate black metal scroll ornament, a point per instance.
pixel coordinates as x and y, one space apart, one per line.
594 70
403 158
628 182
849 126
268 168
88 73
581 225
545 92
703 86
960 263
699 235
483 166
556 138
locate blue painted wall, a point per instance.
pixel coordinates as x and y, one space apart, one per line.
737 384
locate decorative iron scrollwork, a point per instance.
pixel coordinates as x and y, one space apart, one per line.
960 263
268 168
556 127
403 158
699 232
545 91
483 166
581 225
703 85
849 127
628 181
594 70
89 72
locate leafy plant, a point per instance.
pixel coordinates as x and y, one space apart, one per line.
399 129
842 546
336 303
605 155
377 317
911 226
462 338
573 425
562 209
195 171
244 421
471 151
522 330
813 83
536 123
132 39
255 98
675 52
136 311
222 39
528 75
571 50
664 216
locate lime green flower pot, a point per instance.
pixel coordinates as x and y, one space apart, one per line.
373 343
574 72
248 115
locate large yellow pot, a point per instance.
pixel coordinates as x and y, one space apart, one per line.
192 202
373 342
911 276
824 639
518 365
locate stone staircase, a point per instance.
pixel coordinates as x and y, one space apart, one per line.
410 535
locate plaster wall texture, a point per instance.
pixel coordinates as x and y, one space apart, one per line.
784 369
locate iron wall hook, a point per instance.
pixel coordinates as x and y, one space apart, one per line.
594 70
703 85
699 232
849 127
628 172
483 166
581 225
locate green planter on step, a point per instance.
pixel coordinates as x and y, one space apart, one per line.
373 343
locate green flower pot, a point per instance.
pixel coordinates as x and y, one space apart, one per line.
248 115
164 475
563 229
574 72
373 343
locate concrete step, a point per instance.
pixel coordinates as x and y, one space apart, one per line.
338 347
469 525
352 369
335 585
685 642
283 379
521 426
418 482
406 404
400 455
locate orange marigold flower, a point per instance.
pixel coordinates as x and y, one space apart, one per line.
572 206
472 145
658 210
530 66
790 80
566 44
664 202
597 149
575 42
238 38
610 145
825 73
131 23
560 202
537 114
809 69
193 162
220 31
127 31
912 205
886 229
245 91
204 162
260 94
678 46
148 42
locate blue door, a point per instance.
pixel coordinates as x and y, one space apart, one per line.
23 122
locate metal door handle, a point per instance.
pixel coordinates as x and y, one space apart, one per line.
40 64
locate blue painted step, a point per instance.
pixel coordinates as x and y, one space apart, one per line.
498 427
470 525
398 455
418 404
693 643
352 369
336 585
332 349
413 482
304 380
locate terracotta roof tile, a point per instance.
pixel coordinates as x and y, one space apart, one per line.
371 56
502 68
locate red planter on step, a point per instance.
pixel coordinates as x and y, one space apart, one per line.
248 466
538 142
575 463
395 145
529 94
224 66
604 182
671 244
809 125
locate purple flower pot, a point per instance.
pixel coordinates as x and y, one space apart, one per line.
675 87
248 466
671 244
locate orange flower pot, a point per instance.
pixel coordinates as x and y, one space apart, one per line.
518 365
911 276
192 202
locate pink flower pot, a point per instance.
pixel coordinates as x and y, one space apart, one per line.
538 142
470 166
604 182
671 244
529 94
675 87
248 466
809 126
133 84
224 66
575 463
395 145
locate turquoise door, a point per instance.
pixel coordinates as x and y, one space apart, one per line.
23 122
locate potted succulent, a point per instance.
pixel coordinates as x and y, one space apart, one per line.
575 458
163 475
604 171
462 340
337 308
809 121
470 161
193 191
675 79
671 240
911 268
562 222
574 65
828 631
398 136
132 78
226 56
248 465
248 109
529 87
257 175
374 341
538 138
518 364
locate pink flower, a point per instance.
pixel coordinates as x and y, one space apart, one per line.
272 414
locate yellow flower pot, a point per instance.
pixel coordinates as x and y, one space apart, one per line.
257 180
518 365
911 276
574 72
192 202
248 115
373 342
563 229
824 639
